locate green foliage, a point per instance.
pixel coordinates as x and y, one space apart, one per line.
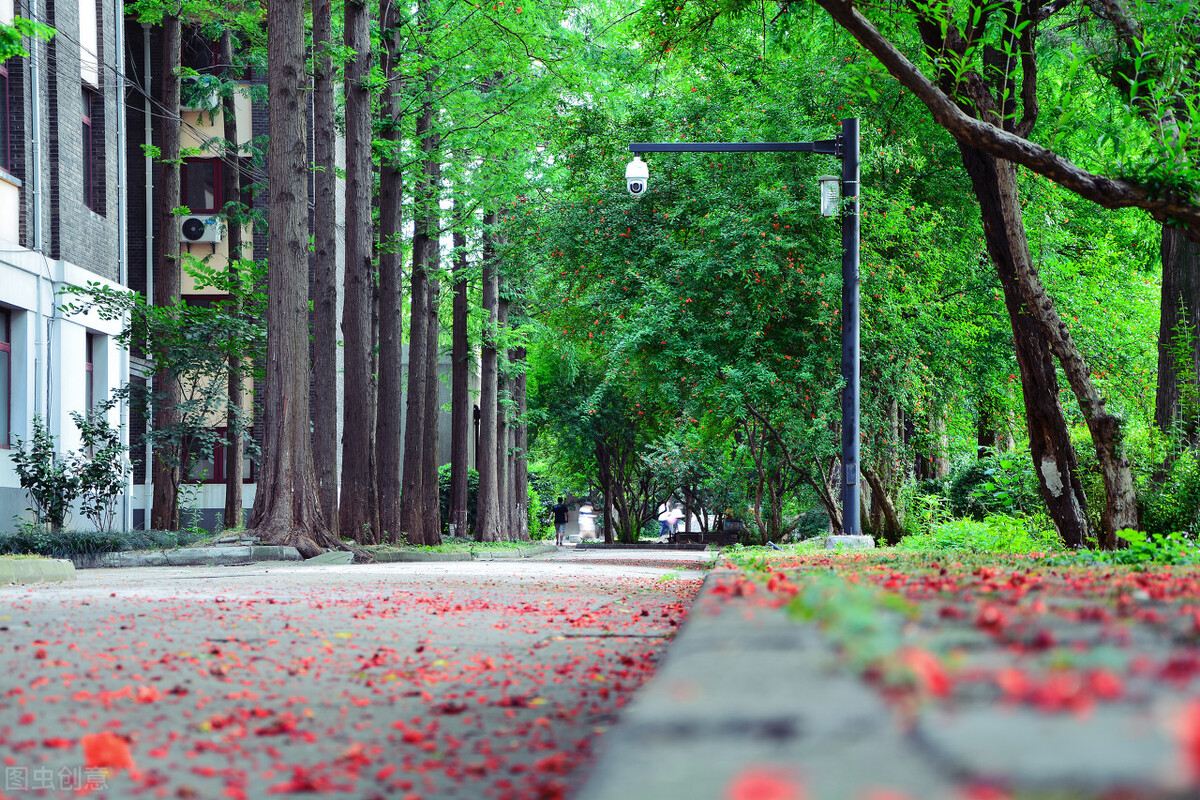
1174 549
12 36
996 533
95 474
1170 501
50 479
998 483
105 472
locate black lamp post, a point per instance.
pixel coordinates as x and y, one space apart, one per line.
844 147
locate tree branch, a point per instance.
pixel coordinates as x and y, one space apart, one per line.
1104 191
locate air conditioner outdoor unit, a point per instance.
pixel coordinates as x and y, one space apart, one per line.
201 229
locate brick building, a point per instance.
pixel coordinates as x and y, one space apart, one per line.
62 223
78 204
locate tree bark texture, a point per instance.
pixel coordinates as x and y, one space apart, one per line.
1050 445
1002 206
358 504
460 397
411 509
324 290
389 442
487 513
286 509
504 498
234 424
1180 308
168 285
520 468
430 446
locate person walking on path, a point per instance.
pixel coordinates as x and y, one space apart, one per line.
560 521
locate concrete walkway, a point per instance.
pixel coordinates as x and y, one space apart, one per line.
751 703
434 680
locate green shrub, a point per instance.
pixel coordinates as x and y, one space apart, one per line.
997 484
998 533
30 538
1144 548
1172 502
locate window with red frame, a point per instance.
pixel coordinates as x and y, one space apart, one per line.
201 185
5 376
91 105
209 467
89 374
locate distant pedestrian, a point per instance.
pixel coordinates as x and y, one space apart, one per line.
665 522
560 522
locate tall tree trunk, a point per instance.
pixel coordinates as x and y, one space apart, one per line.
520 471
503 487
234 419
460 398
604 468
1180 307
430 488
1120 506
1049 439
389 442
168 286
286 509
487 513
357 503
324 291
411 508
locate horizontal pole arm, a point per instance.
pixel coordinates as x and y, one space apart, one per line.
827 146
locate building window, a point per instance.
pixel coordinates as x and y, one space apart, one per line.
91 104
201 185
208 465
5 152
89 374
5 376
89 44
199 52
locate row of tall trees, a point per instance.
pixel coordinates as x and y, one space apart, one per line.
439 104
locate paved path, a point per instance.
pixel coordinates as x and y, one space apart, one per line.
1006 683
442 680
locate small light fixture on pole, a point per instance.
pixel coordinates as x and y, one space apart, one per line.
839 198
831 194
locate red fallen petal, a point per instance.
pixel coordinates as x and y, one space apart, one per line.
58 742
147 694
984 793
1189 739
764 783
928 670
106 749
1106 685
385 773
40 653
884 794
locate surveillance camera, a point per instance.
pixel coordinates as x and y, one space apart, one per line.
637 177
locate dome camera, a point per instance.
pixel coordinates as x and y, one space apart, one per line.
637 177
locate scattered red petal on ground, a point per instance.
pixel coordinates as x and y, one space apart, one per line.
765 783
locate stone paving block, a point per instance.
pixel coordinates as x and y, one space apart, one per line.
1111 746
332 557
35 570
